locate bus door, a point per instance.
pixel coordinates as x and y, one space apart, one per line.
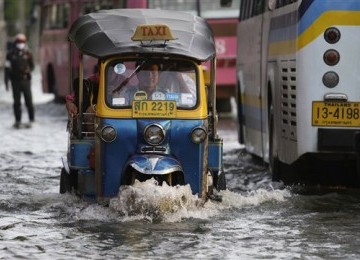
251 71
266 10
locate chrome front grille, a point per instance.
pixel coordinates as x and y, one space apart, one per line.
154 149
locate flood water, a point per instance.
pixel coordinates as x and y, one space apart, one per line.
257 218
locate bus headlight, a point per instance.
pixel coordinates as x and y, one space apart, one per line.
106 133
330 79
198 135
154 134
332 35
331 57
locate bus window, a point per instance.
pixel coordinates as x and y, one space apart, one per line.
179 5
259 7
213 9
245 9
56 16
281 3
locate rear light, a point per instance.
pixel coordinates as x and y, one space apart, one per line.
330 79
331 57
332 35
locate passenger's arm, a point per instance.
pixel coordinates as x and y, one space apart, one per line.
70 106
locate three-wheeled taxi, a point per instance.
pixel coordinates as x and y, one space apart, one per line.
154 113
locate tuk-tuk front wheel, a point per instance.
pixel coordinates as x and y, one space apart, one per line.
220 181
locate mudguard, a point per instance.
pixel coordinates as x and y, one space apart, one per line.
154 164
65 165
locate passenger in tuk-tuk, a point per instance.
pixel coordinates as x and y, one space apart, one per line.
90 93
91 86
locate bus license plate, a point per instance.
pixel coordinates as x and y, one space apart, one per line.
335 114
154 109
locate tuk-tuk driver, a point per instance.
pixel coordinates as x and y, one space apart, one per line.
148 79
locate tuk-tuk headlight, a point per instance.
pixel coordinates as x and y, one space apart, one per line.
154 134
106 133
198 135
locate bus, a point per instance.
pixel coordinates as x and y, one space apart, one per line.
298 99
56 19
58 15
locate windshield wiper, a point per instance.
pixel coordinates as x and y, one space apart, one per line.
137 69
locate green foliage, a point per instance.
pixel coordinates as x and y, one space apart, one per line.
17 12
10 13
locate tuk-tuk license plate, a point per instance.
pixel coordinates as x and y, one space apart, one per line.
335 114
154 109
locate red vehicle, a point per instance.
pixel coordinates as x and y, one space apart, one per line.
56 19
58 15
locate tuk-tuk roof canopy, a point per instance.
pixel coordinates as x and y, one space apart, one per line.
108 32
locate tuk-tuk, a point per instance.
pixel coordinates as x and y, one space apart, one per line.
169 132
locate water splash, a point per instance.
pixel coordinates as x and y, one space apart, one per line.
252 198
149 201
155 203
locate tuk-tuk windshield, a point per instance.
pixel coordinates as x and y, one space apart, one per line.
128 80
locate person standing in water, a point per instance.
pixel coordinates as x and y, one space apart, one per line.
18 67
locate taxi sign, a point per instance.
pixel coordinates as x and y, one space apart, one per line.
153 109
151 32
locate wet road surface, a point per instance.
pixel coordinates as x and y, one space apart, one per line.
257 218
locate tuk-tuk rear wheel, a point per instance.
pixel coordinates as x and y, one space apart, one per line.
65 182
68 181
